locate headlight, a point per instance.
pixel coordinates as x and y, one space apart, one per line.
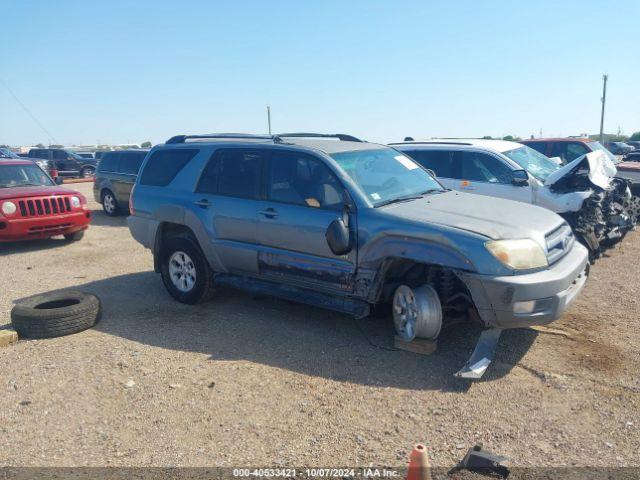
9 208
75 202
518 254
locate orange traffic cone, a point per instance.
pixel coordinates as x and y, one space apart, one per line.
419 468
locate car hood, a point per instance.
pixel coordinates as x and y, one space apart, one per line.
601 169
495 218
17 192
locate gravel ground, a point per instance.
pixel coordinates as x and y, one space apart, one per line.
252 381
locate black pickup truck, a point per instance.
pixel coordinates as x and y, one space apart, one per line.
64 163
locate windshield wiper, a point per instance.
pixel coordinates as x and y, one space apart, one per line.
406 198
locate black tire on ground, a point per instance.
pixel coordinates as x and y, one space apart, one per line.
87 172
202 289
55 314
109 203
75 236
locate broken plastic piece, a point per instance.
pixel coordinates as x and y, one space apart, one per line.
482 355
480 461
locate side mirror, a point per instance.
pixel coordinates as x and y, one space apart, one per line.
58 180
338 237
520 178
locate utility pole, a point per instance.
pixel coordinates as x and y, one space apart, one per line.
269 117
603 99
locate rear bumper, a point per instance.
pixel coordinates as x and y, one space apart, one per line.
499 300
13 230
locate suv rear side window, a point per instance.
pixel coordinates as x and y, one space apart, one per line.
164 165
108 162
481 167
539 146
300 179
233 173
440 161
130 162
568 151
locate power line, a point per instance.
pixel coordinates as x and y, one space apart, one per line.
52 139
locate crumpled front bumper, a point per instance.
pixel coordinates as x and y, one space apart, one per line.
553 290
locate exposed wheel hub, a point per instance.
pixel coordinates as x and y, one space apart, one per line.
417 312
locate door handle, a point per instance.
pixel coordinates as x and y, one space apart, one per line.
269 213
204 203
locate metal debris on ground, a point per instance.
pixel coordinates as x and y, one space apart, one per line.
480 461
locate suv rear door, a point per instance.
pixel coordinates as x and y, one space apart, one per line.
303 197
127 172
226 200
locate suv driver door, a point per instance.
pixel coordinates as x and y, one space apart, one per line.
485 174
303 197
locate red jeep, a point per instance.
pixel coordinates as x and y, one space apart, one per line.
33 206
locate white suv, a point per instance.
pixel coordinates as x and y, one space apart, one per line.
598 206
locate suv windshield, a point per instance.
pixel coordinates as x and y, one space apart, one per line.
533 162
386 175
596 146
23 175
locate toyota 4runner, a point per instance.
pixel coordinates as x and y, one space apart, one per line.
344 224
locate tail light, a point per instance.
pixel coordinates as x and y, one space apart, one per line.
131 209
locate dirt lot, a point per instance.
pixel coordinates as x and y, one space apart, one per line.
248 381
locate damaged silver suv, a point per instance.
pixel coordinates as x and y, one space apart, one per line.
343 224
598 206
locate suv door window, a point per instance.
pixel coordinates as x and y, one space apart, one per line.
130 162
539 146
164 165
440 161
234 173
108 162
481 167
568 151
43 154
300 179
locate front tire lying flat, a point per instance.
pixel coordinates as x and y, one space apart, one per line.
55 314
417 312
185 272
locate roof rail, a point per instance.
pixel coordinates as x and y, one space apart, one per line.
219 136
430 142
340 136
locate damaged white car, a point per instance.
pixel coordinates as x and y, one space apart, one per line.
599 206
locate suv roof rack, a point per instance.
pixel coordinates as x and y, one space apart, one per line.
340 136
220 136
430 142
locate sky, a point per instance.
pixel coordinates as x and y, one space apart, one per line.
129 71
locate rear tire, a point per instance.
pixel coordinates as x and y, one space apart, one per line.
87 172
109 203
185 271
74 237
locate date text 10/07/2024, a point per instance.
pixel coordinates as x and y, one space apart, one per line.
317 472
